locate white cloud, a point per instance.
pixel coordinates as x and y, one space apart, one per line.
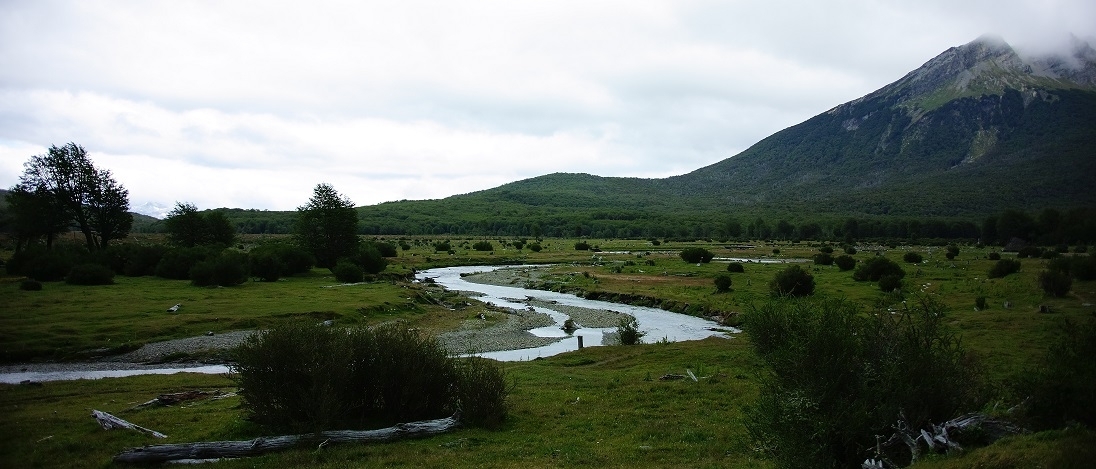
251 104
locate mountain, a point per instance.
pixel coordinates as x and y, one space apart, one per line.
976 130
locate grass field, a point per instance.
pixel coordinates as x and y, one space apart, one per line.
602 406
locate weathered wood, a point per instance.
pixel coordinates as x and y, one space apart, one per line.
110 422
177 397
234 449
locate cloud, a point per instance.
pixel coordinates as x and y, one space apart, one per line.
252 103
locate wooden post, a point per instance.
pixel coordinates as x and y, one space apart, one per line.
579 342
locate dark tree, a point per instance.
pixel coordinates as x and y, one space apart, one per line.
694 255
792 281
187 227
327 226
35 213
87 196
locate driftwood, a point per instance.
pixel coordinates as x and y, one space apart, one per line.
234 449
177 397
942 438
111 422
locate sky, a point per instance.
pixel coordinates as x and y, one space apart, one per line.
251 104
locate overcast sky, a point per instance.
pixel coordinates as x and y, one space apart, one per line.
252 103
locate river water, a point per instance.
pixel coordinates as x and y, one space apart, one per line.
658 325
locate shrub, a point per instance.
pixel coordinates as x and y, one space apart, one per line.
582 246
792 281
735 267
348 272
1004 267
481 392
1063 386
226 270
385 249
845 262
90 274
368 258
442 246
483 246
176 263
1055 283
266 265
913 257
1080 249
953 250
850 251
875 268
535 247
776 251
994 256
628 331
307 377
823 259
1029 251
839 378
694 255
1083 268
889 283
826 250
980 303
44 265
722 283
30 285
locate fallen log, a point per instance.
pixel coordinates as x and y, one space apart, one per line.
110 422
234 449
175 398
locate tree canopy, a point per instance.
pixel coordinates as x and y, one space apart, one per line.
63 187
188 227
327 226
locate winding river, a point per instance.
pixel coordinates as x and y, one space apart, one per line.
658 325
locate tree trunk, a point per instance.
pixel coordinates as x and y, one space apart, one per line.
236 449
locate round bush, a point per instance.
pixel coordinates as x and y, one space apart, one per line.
30 285
176 263
994 256
1004 267
722 283
695 255
735 267
348 272
850 251
823 259
266 266
845 262
792 281
535 247
875 268
226 270
582 246
889 283
913 257
90 274
1055 283
483 246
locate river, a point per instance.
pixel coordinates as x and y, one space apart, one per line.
656 323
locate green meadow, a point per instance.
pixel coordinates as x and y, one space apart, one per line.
600 406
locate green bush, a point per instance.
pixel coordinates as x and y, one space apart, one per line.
889 283
308 377
823 259
994 256
696 255
266 265
535 247
826 250
1055 283
875 268
1029 251
442 246
792 281
628 331
850 251
45 265
735 267
1004 267
722 283
838 378
845 262
176 263
483 246
368 258
1063 387
90 274
30 285
348 272
226 270
913 257
980 303
385 249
